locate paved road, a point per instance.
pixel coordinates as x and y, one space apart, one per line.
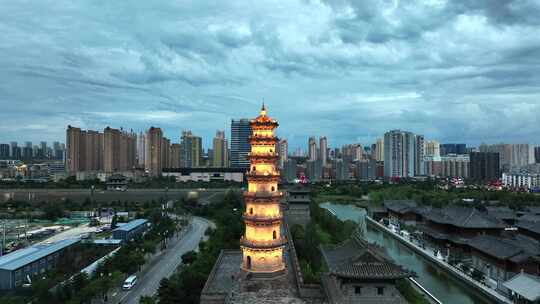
81 195
166 264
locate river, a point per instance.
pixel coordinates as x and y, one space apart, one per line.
442 285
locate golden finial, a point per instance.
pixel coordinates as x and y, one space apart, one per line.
263 110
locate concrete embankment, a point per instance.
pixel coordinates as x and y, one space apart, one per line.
490 294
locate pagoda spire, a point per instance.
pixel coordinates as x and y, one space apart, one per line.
263 110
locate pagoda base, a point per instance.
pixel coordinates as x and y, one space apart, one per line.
260 275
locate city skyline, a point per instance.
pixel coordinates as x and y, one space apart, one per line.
448 70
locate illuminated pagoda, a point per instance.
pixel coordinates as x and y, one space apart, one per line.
263 244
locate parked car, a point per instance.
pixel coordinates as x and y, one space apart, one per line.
129 282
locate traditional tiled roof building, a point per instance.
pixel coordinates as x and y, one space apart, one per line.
360 272
298 199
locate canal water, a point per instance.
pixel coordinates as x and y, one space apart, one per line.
442 285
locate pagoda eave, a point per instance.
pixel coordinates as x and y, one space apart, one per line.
263 245
263 195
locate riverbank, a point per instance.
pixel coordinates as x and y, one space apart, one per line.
490 294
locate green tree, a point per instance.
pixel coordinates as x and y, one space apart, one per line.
189 257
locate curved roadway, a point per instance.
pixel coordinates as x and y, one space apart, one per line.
166 264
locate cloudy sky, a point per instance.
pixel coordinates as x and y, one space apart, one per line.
456 70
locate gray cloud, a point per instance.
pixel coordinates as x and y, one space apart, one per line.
460 70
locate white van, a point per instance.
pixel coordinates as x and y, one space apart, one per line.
129 282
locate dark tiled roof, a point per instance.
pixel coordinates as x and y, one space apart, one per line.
534 209
400 206
376 209
116 176
355 258
299 189
464 217
530 226
530 217
442 236
516 248
502 213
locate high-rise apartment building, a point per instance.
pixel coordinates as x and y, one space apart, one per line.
323 150
314 170
522 155
141 149
4 151
154 140
220 150
458 149
88 150
27 151
340 169
174 158
312 149
505 154
432 149
352 152
111 149
191 150
484 166
537 155
283 152
379 149
511 156
14 150
58 150
42 150
75 155
399 154
290 167
453 165
166 152
240 146
419 153
93 145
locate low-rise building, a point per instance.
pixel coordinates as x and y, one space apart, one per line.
131 230
360 272
524 288
117 182
18 266
502 213
402 211
298 201
205 174
450 229
501 258
526 181
529 228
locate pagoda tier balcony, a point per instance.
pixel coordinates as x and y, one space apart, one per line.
264 156
263 195
262 201
260 161
252 244
261 140
264 121
262 218
260 176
